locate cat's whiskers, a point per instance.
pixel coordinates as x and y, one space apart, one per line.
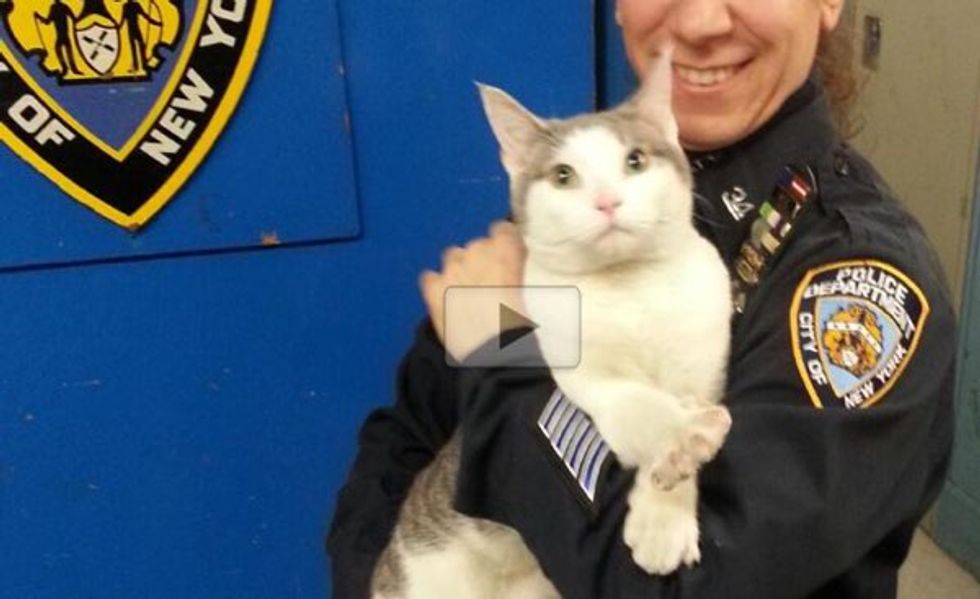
708 221
700 198
701 217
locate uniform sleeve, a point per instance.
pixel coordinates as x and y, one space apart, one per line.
835 452
395 443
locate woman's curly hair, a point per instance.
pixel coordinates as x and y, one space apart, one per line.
835 61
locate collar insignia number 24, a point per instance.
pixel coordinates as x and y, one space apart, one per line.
855 326
118 101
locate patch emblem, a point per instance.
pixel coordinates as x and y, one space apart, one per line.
855 326
575 440
118 101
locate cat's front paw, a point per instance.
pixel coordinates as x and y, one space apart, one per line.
695 444
662 534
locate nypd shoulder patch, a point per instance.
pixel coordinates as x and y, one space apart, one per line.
855 325
575 440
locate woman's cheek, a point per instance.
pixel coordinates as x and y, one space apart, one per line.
640 21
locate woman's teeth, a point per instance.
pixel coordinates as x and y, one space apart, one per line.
705 77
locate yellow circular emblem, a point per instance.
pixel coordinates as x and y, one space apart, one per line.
853 339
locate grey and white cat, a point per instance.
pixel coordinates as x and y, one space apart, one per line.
604 202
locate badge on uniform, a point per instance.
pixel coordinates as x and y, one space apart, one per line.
855 326
575 441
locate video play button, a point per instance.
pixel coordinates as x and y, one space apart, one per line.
519 336
513 326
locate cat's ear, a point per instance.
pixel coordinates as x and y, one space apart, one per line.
515 127
653 100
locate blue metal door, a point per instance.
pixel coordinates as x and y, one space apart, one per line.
957 526
178 406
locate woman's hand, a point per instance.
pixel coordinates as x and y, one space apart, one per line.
496 261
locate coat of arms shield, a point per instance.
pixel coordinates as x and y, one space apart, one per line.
99 46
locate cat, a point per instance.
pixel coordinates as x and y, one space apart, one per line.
604 202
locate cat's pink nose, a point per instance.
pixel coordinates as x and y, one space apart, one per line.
608 204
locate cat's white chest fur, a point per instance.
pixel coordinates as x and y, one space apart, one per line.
655 339
664 322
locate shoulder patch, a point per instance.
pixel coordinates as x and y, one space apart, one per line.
855 325
575 440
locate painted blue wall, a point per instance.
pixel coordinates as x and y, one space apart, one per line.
177 426
615 79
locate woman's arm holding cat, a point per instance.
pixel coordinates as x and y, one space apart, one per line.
394 445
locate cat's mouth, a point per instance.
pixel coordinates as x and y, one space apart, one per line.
611 229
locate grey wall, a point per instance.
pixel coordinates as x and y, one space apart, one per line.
920 109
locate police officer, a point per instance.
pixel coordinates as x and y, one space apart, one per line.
841 371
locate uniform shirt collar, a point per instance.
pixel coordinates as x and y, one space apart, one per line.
731 183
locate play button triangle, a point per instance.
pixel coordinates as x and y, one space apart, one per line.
513 325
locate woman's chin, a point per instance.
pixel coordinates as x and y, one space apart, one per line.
705 133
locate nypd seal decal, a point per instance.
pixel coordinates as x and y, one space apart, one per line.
855 326
118 101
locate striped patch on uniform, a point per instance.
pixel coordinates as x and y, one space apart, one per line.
575 440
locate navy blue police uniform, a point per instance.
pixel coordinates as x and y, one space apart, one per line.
840 389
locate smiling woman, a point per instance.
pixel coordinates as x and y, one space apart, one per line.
735 63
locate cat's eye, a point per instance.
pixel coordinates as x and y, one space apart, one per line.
563 176
636 161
